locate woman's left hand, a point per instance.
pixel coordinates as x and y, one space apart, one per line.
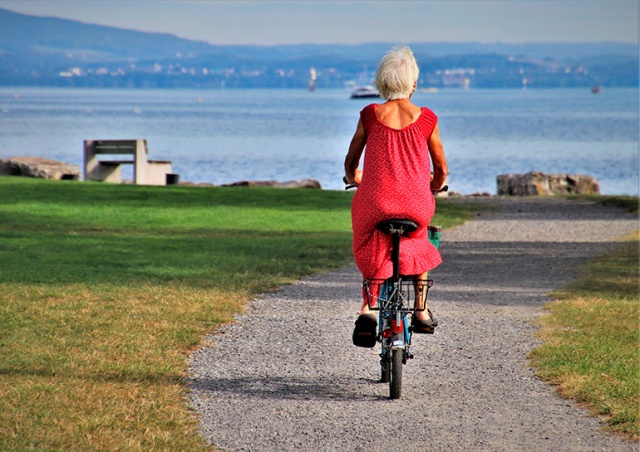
357 179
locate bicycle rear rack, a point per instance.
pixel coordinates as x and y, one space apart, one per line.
378 293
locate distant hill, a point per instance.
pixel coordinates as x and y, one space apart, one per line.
44 51
45 35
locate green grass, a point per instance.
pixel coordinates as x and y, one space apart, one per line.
591 339
105 289
628 203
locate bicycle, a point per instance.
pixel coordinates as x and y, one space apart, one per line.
397 299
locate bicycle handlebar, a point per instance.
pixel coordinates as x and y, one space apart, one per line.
348 186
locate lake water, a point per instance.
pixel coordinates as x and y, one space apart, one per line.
230 135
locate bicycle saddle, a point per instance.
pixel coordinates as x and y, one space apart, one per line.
397 226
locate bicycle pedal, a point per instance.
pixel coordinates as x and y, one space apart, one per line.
430 330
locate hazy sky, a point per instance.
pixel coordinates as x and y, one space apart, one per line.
349 21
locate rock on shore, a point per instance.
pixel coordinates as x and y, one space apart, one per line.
539 184
304 183
39 168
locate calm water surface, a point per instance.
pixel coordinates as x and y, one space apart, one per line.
226 136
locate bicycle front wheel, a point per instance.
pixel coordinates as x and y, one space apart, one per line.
395 382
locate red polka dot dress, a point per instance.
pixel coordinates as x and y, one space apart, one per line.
395 184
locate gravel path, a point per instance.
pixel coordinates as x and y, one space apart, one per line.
285 376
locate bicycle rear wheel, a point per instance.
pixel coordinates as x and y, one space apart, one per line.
395 383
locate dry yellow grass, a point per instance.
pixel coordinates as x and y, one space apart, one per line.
591 339
105 368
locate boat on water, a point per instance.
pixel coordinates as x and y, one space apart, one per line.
312 79
363 92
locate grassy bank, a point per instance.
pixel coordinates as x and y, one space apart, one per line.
105 289
628 203
591 337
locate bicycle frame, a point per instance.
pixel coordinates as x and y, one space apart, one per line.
395 301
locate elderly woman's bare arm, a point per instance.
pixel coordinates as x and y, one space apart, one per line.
438 160
352 160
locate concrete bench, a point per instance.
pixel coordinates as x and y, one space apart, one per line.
145 172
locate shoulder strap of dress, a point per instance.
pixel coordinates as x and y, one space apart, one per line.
429 120
368 114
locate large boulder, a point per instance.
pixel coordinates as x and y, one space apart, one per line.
540 184
39 168
304 183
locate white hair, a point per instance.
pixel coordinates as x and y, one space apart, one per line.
397 74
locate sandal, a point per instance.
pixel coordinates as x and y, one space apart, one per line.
424 326
365 333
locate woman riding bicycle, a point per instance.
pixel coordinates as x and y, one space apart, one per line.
402 143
